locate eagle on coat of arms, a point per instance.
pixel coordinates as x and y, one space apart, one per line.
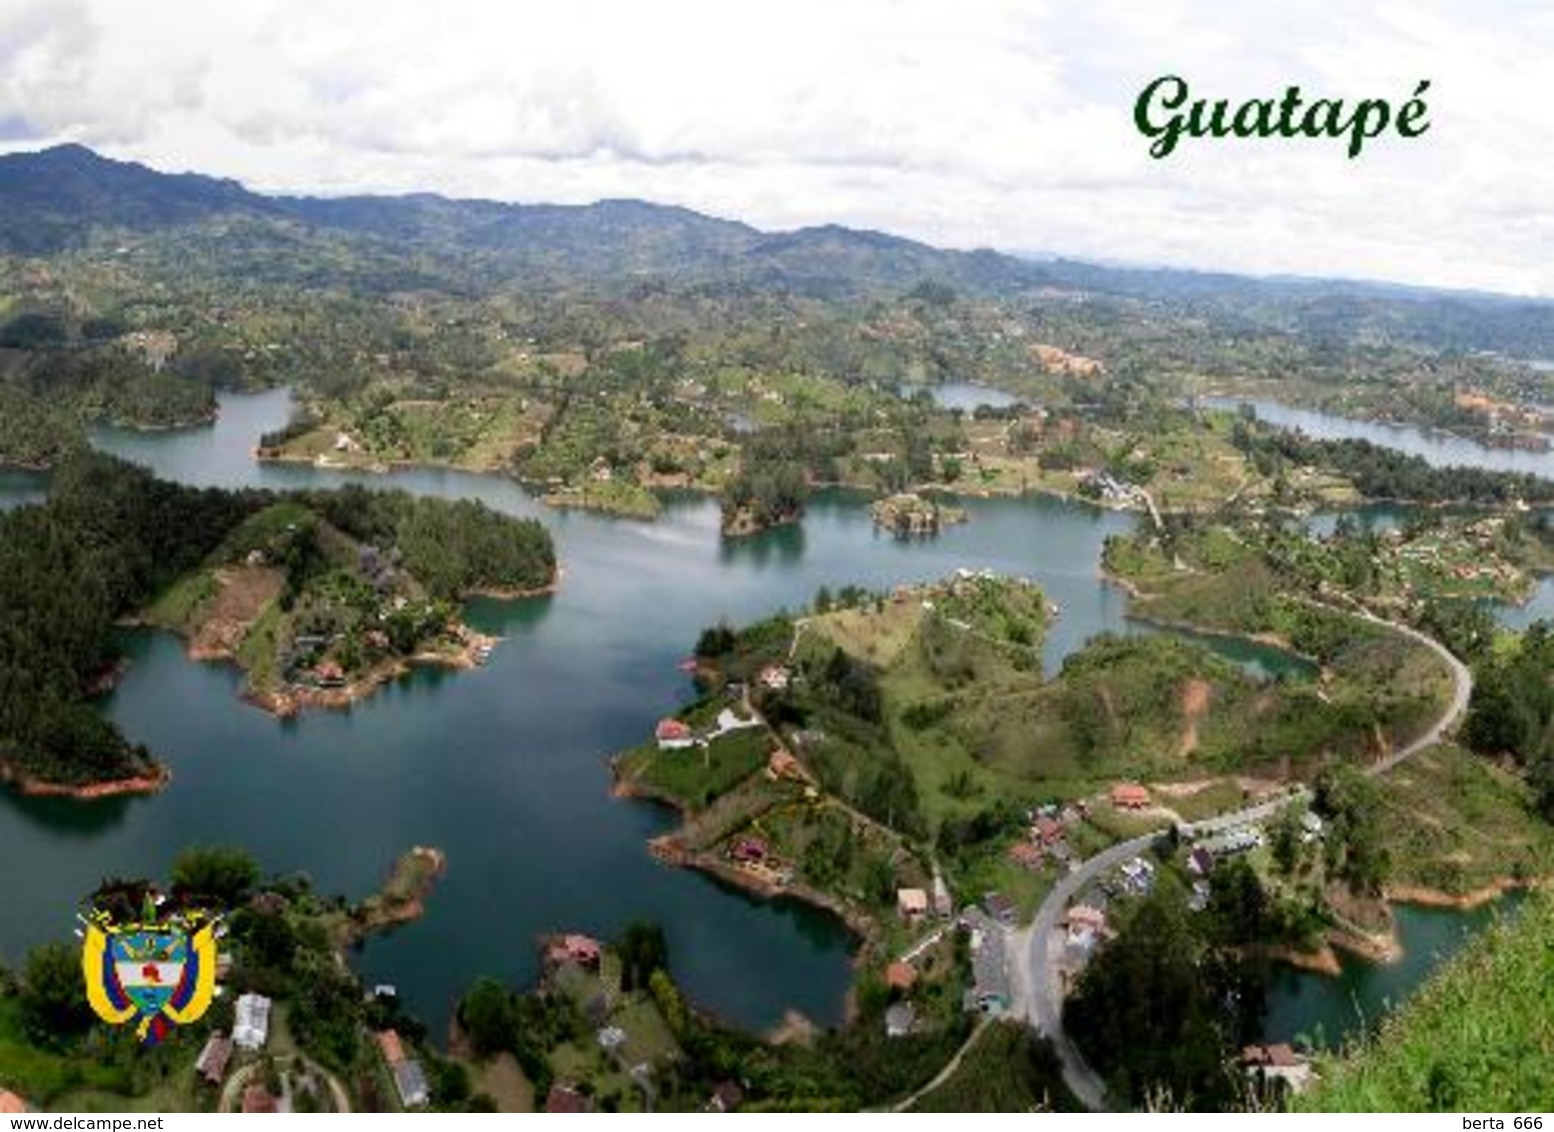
157 971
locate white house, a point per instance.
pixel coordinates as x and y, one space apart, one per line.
251 1028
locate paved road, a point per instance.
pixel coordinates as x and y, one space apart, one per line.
1038 989
1036 977
1462 692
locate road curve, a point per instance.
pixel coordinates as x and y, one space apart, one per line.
1036 976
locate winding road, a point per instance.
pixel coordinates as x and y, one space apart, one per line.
1035 949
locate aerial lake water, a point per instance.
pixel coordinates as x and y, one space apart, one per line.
1440 449
505 767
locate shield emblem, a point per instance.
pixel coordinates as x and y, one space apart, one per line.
156 975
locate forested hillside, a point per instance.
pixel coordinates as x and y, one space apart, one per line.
112 538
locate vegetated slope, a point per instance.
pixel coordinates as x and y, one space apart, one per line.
60 198
112 538
1479 1036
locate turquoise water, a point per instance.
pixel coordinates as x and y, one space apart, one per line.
1437 448
505 767
1324 1010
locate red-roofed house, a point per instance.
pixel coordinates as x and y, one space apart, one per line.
1129 796
564 1098
674 735
900 976
572 948
1048 830
1026 854
393 1049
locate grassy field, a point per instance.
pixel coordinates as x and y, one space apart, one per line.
1479 1036
1456 823
697 775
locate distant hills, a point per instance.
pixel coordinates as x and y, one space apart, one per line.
59 198
69 197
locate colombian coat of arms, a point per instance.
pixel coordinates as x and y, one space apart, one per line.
156 972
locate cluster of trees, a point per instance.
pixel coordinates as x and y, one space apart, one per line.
1161 1010
767 493
1350 803
454 548
1512 710
33 432
108 539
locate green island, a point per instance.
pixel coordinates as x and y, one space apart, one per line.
318 596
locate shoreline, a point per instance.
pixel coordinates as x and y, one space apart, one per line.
382 911
666 849
31 786
288 702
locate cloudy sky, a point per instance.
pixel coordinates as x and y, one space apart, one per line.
971 124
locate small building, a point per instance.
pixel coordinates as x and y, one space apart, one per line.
1084 917
751 849
251 1027
1278 1062
580 950
329 674
564 1098
390 1046
1242 839
1129 796
900 1017
611 1038
1047 830
410 1083
1311 826
213 1059
1139 874
901 976
912 903
674 735
1200 862
1026 854
774 677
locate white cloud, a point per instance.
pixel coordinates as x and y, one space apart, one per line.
1001 123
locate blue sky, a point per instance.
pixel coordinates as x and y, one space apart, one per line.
987 123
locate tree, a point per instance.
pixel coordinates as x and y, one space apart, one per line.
52 999
642 950
1351 804
217 874
1150 1010
487 1016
